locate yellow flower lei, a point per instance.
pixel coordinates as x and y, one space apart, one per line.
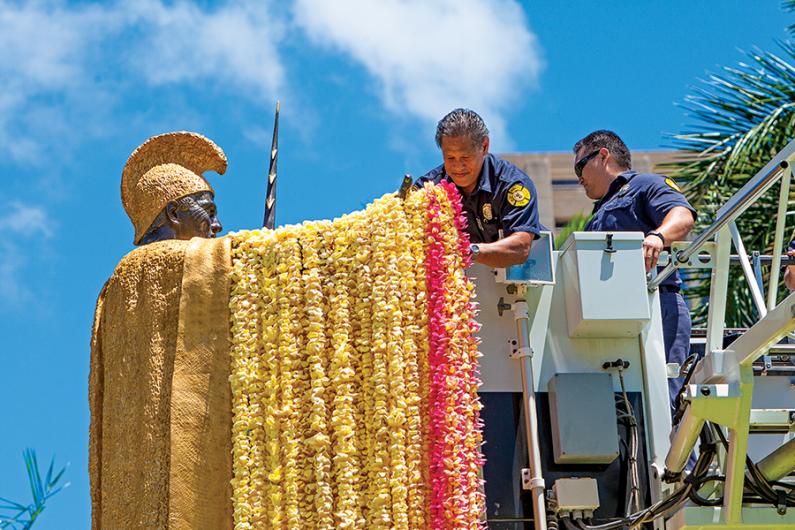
318 443
330 372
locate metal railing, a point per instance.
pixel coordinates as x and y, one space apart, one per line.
734 207
733 367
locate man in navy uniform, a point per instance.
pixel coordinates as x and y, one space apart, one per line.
629 201
499 199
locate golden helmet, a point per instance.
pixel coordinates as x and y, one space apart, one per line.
165 168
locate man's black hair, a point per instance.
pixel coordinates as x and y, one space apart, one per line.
462 122
609 140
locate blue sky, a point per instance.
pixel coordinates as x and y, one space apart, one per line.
361 84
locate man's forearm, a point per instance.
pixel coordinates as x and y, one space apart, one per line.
508 251
789 278
676 225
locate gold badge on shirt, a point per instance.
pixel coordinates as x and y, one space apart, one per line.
518 195
673 184
488 215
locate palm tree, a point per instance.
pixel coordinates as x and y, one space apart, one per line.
575 224
22 516
744 115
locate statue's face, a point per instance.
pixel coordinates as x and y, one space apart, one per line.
193 216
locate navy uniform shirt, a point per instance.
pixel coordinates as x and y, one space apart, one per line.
638 202
503 200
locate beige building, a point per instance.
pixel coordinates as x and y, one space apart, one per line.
560 195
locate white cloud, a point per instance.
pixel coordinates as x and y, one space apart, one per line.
45 46
258 135
44 43
234 44
431 56
24 226
25 220
11 288
74 62
51 48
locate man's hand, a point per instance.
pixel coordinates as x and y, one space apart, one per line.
508 251
675 227
652 246
789 274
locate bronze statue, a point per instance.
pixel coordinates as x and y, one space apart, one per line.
163 191
160 453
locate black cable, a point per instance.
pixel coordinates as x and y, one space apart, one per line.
568 523
698 484
762 490
688 367
653 512
720 434
633 498
644 516
552 517
758 484
680 495
763 487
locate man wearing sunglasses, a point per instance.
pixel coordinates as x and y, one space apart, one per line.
628 201
499 199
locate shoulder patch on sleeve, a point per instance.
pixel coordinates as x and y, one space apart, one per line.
519 195
674 185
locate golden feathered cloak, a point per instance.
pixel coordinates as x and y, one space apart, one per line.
161 414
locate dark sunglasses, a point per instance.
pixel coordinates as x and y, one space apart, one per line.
581 163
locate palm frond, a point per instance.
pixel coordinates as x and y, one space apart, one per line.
789 5
575 224
743 116
21 516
